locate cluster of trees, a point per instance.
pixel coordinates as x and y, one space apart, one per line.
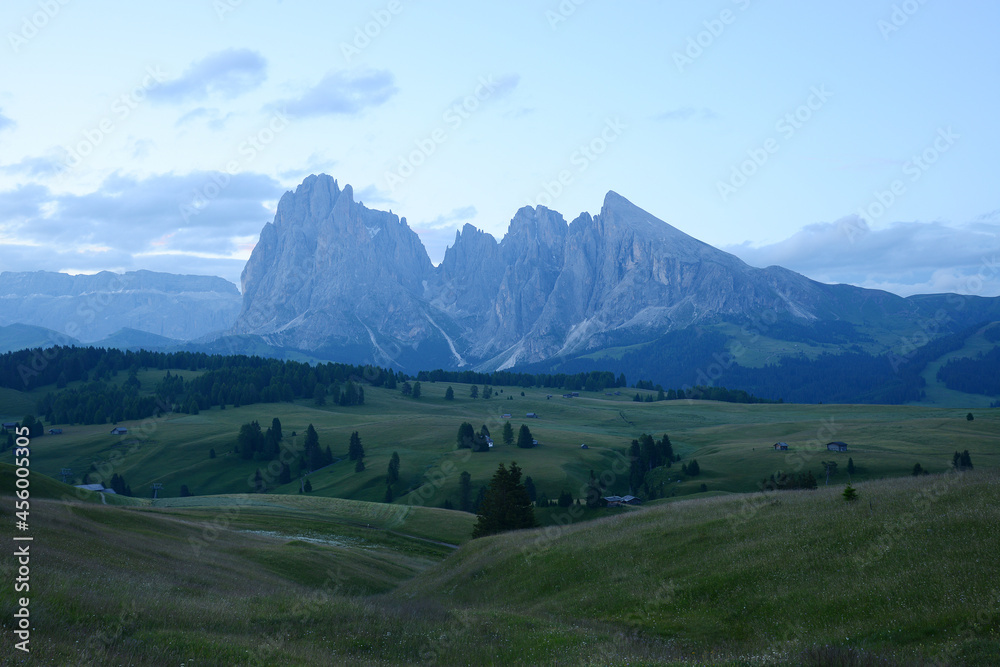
506 504
973 375
469 438
646 455
587 380
36 427
700 393
411 390
119 486
224 380
254 444
962 461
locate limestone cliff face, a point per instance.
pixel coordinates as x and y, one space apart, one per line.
331 275
329 272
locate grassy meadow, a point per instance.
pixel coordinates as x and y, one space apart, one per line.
905 575
732 443
711 573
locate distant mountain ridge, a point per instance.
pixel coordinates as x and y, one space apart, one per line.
337 279
92 307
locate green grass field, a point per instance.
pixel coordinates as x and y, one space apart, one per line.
905 575
732 443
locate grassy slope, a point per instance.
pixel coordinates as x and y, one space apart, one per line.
731 442
796 578
903 571
938 393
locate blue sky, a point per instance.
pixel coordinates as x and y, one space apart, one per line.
853 141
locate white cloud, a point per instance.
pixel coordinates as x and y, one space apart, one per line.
228 73
138 223
905 257
342 92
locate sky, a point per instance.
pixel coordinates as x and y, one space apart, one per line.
853 142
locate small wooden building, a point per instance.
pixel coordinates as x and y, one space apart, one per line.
836 446
780 446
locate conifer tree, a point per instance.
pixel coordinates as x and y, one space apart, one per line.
392 474
524 438
505 504
354 450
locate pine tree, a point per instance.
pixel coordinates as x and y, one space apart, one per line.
466 436
360 465
392 473
524 439
850 466
276 429
529 486
508 434
849 493
355 450
918 470
449 394
505 505
474 391
388 494
314 455
965 461
416 390
211 453
307 487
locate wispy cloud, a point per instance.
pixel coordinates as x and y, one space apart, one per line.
687 113
905 257
227 73
214 119
342 92
133 218
449 220
5 123
39 166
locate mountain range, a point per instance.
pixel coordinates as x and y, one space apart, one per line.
90 308
333 277
620 290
